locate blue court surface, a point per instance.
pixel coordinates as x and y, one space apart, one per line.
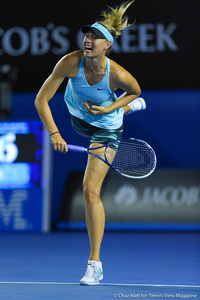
137 265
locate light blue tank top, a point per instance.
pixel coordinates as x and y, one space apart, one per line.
78 91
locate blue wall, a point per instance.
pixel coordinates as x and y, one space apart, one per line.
170 124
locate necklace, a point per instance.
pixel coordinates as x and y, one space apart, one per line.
98 66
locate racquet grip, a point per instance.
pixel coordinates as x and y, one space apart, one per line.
76 148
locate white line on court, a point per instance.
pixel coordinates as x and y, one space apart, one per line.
108 284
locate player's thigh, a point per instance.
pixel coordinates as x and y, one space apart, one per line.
96 169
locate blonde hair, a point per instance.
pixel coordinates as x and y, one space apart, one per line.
114 19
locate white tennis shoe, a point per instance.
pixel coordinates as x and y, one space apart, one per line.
136 105
94 273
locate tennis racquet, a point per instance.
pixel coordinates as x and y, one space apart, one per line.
134 158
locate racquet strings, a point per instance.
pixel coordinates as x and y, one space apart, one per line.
134 158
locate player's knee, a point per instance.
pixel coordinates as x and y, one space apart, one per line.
91 194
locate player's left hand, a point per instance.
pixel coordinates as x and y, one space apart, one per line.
95 110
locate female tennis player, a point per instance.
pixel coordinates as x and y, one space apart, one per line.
95 111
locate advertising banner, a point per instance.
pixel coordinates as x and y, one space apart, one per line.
165 197
161 49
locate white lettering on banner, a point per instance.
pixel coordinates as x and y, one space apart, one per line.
11 214
7 41
126 194
40 40
167 196
40 43
59 36
165 37
147 38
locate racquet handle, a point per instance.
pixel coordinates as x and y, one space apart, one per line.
76 148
